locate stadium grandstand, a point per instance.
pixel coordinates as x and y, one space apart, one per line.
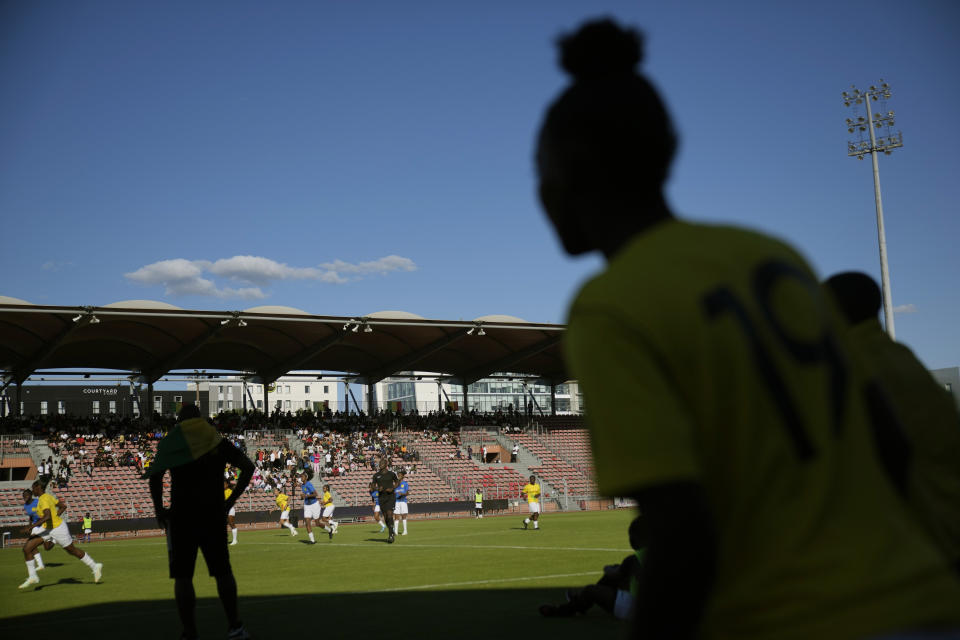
95 462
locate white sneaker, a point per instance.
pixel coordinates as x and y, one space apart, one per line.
335 525
294 533
233 543
29 581
39 568
97 571
404 533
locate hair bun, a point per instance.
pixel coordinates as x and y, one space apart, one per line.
600 48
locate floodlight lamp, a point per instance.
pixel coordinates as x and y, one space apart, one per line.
77 319
859 157
367 328
887 152
481 332
242 323
225 321
346 325
94 320
859 100
846 104
873 87
470 331
356 327
850 130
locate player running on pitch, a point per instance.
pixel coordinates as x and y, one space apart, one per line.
326 518
49 510
284 507
30 507
532 491
401 510
231 522
375 497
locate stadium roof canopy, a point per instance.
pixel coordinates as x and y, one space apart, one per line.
151 339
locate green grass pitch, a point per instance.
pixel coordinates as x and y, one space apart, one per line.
460 578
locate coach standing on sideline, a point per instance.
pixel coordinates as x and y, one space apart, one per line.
196 455
386 481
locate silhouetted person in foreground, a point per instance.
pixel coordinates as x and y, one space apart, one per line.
720 393
196 456
923 448
614 592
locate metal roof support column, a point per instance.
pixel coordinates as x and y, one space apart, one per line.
266 400
553 399
439 396
465 398
17 404
370 401
150 407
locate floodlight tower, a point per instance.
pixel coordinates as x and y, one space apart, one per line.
875 145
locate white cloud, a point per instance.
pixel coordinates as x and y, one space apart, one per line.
905 308
181 277
53 265
382 266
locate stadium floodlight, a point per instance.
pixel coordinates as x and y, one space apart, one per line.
471 330
242 323
874 146
367 328
77 319
225 321
94 320
481 332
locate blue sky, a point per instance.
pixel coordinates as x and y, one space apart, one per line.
350 157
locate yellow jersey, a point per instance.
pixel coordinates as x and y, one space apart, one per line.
709 354
226 494
931 426
327 500
49 501
282 501
532 491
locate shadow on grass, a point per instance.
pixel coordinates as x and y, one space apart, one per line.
427 614
60 581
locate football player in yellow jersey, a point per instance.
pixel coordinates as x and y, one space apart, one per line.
231 514
925 456
531 491
49 510
282 504
326 518
721 394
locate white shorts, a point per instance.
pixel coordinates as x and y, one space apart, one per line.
622 605
88 530
401 509
376 508
312 511
478 505
232 512
285 514
328 511
534 507
60 535
38 531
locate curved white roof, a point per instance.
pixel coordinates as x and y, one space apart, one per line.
500 318
277 309
9 300
394 315
141 304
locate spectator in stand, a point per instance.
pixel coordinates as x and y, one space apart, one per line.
514 452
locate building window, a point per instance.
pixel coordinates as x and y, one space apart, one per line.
43 407
219 405
286 388
286 405
61 407
113 406
326 389
948 387
220 388
178 399
95 407
260 404
306 389
229 405
158 404
306 404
